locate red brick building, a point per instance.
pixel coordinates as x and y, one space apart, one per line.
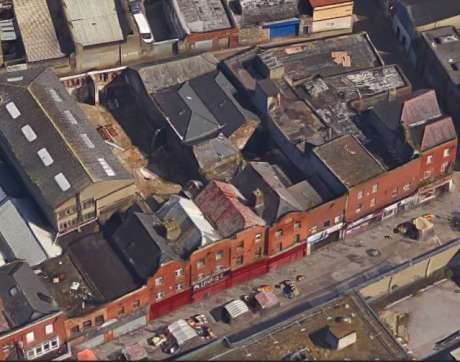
31 325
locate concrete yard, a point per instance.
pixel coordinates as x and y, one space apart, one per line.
433 315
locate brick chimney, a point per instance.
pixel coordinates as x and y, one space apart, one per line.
169 229
258 197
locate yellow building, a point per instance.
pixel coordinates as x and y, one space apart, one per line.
331 15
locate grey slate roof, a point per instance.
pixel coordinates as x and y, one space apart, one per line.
40 101
280 196
23 297
141 246
349 161
202 106
424 12
259 11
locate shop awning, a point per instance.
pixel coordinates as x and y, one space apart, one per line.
266 299
181 331
86 355
236 308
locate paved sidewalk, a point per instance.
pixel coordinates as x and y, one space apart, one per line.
323 271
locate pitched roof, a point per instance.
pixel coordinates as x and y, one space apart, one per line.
279 195
51 141
141 246
420 107
101 267
437 133
196 231
37 30
349 161
202 106
200 16
93 22
23 297
220 203
424 12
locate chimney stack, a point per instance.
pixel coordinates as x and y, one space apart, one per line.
258 200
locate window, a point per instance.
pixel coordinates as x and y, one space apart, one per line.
45 157
62 181
394 193
327 223
49 329
444 167
258 253
31 353
279 247
29 133
75 330
313 229
358 209
446 152
201 276
240 246
429 160
87 140
70 117
338 219
87 324
200 263
160 295
297 238
106 167
279 233
427 173
159 281
239 260
360 195
38 350
297 225
219 255
179 286
54 342
121 310
406 186
30 337
219 268
46 347
179 272
13 110
258 237
136 304
372 202
99 320
375 188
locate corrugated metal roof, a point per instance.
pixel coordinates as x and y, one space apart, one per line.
220 203
93 22
236 308
182 331
37 30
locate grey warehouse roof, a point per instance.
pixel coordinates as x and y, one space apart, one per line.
200 16
93 22
49 139
37 30
259 11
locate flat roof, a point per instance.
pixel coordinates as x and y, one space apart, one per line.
37 30
301 335
93 22
432 317
445 44
201 16
349 161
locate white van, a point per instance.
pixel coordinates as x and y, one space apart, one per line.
141 22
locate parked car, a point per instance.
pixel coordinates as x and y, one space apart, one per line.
141 21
